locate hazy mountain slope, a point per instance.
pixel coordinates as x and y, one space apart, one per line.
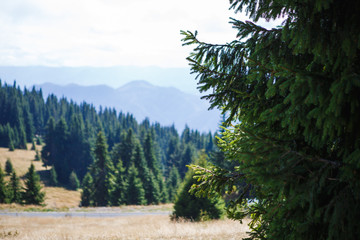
165 105
87 76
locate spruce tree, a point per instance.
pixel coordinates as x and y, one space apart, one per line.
74 183
87 190
193 207
102 173
3 188
135 194
14 188
8 167
33 193
53 177
291 94
118 196
173 183
33 146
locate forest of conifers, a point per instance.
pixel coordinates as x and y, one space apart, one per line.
118 160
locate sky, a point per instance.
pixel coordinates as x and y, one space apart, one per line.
104 33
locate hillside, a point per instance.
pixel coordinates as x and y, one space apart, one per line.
166 105
56 197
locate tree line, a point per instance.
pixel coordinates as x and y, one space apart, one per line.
100 148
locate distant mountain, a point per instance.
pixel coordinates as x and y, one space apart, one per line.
88 76
166 105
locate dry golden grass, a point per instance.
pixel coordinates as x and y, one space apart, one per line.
20 159
55 197
135 227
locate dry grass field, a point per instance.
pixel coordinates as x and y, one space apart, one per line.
20 159
135 227
119 227
55 197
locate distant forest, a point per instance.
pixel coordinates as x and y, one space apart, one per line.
117 160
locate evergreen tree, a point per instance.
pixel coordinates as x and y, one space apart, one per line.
53 177
60 153
87 190
150 155
292 95
33 193
74 181
38 141
103 169
135 194
11 146
33 146
14 188
193 207
49 150
173 183
3 189
8 167
164 195
37 156
119 194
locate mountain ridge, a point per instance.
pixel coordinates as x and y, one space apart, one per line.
166 105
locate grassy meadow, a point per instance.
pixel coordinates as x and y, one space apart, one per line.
121 227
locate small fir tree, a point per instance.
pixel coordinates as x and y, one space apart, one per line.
193 207
3 189
33 146
14 188
173 183
135 192
38 141
87 190
33 193
102 177
11 146
119 193
37 155
74 181
53 177
8 167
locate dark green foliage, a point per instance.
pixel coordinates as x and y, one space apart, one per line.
102 170
33 146
11 146
173 183
164 194
119 194
38 141
53 177
8 167
292 94
196 208
87 191
135 194
33 193
3 189
14 189
37 155
74 183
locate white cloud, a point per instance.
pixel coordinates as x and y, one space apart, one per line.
107 32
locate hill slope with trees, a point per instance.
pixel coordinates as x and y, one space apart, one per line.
104 150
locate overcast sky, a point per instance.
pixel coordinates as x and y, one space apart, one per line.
107 32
